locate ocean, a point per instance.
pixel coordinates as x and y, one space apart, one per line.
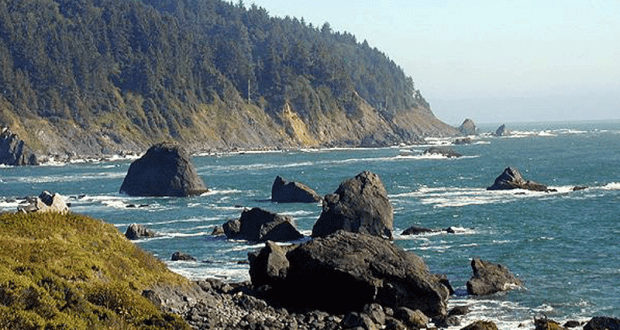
564 245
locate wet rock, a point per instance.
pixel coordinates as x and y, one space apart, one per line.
359 205
283 191
178 256
603 323
462 141
218 231
459 310
502 131
511 178
137 231
259 225
547 324
417 230
490 278
572 324
165 170
442 151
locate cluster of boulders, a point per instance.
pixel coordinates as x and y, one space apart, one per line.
45 202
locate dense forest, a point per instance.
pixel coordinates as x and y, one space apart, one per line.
97 76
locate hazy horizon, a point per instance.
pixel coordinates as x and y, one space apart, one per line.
492 61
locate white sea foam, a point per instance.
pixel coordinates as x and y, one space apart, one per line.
611 186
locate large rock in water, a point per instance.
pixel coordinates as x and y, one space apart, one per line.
511 178
14 151
165 170
259 225
502 131
345 271
359 205
468 127
283 191
490 278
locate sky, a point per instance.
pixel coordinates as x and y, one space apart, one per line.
491 61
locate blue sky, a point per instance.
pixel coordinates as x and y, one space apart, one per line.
492 61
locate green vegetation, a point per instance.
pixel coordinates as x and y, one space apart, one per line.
141 71
75 272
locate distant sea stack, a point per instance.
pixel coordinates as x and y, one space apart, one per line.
14 151
502 131
165 170
468 127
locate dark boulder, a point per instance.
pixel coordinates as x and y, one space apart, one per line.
511 178
412 318
463 141
259 225
345 271
136 231
179 256
547 324
603 323
468 127
490 278
359 205
283 191
14 151
417 230
502 131
442 151
165 170
481 325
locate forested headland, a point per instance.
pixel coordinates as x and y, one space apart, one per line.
90 77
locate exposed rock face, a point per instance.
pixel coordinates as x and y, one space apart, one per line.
345 271
46 202
359 205
136 231
502 131
13 151
259 225
511 178
490 278
165 170
468 127
442 151
283 191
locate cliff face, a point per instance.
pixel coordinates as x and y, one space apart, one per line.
101 77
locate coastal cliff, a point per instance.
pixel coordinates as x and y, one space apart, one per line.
103 77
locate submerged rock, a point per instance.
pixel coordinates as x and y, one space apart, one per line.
165 170
283 191
179 256
359 205
344 272
490 278
416 230
511 178
442 151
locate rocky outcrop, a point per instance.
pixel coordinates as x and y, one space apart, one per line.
14 151
442 151
481 325
490 278
359 205
417 230
468 127
344 272
511 178
180 256
502 131
603 323
45 202
165 170
259 225
137 231
283 191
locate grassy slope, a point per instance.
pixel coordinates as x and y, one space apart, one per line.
75 272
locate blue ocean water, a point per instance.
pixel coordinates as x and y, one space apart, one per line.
565 245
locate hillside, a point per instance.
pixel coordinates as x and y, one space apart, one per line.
74 272
95 77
